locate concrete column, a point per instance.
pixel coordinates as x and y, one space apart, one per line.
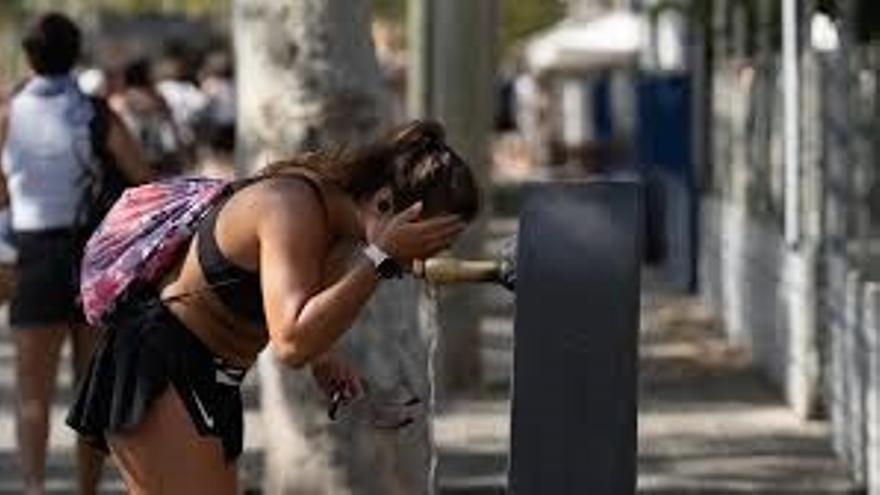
462 97
791 102
871 306
421 59
802 374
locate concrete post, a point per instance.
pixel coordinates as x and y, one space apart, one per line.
462 87
801 232
871 307
421 59
791 102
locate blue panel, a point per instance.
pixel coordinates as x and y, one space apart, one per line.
664 123
664 153
602 109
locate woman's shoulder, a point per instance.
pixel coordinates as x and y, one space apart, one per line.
280 208
288 191
298 181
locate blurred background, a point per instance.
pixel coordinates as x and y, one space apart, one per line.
753 125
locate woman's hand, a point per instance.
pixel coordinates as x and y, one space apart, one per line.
335 377
406 238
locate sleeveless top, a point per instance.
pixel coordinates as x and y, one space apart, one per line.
47 153
237 288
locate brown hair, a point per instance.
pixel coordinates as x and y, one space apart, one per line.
413 160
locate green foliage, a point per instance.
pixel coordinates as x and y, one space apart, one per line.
521 18
11 8
190 7
394 10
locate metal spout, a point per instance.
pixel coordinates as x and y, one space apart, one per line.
457 271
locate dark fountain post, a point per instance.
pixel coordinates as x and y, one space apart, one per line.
573 429
576 276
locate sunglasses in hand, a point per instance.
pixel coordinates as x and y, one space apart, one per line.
383 415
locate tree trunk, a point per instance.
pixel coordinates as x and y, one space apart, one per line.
308 78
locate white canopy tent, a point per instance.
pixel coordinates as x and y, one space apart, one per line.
574 45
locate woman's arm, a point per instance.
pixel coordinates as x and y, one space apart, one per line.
305 319
126 151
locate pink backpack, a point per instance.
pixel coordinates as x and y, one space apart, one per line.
141 236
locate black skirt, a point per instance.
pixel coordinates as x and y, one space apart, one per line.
47 284
145 348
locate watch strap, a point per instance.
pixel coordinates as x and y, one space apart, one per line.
382 262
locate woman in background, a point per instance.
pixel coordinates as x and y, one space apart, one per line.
47 152
149 120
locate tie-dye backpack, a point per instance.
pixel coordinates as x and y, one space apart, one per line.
141 236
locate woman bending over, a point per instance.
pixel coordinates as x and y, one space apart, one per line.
290 258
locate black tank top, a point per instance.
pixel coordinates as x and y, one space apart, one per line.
237 288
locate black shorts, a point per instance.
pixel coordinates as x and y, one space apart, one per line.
47 286
143 349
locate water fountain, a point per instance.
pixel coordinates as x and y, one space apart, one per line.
576 278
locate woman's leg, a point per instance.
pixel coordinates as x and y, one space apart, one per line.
90 461
37 356
165 454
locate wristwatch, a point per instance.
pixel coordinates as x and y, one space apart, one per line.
384 264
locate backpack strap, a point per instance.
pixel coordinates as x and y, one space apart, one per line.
103 184
4 126
99 132
206 243
99 128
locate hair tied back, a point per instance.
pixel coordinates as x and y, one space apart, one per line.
422 135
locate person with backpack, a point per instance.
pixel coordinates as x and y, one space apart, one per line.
53 176
149 120
190 297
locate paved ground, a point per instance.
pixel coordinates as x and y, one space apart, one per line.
708 424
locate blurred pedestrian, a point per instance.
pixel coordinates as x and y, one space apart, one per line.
217 82
216 129
187 101
46 140
217 152
149 119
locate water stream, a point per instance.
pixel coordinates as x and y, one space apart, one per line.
429 329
